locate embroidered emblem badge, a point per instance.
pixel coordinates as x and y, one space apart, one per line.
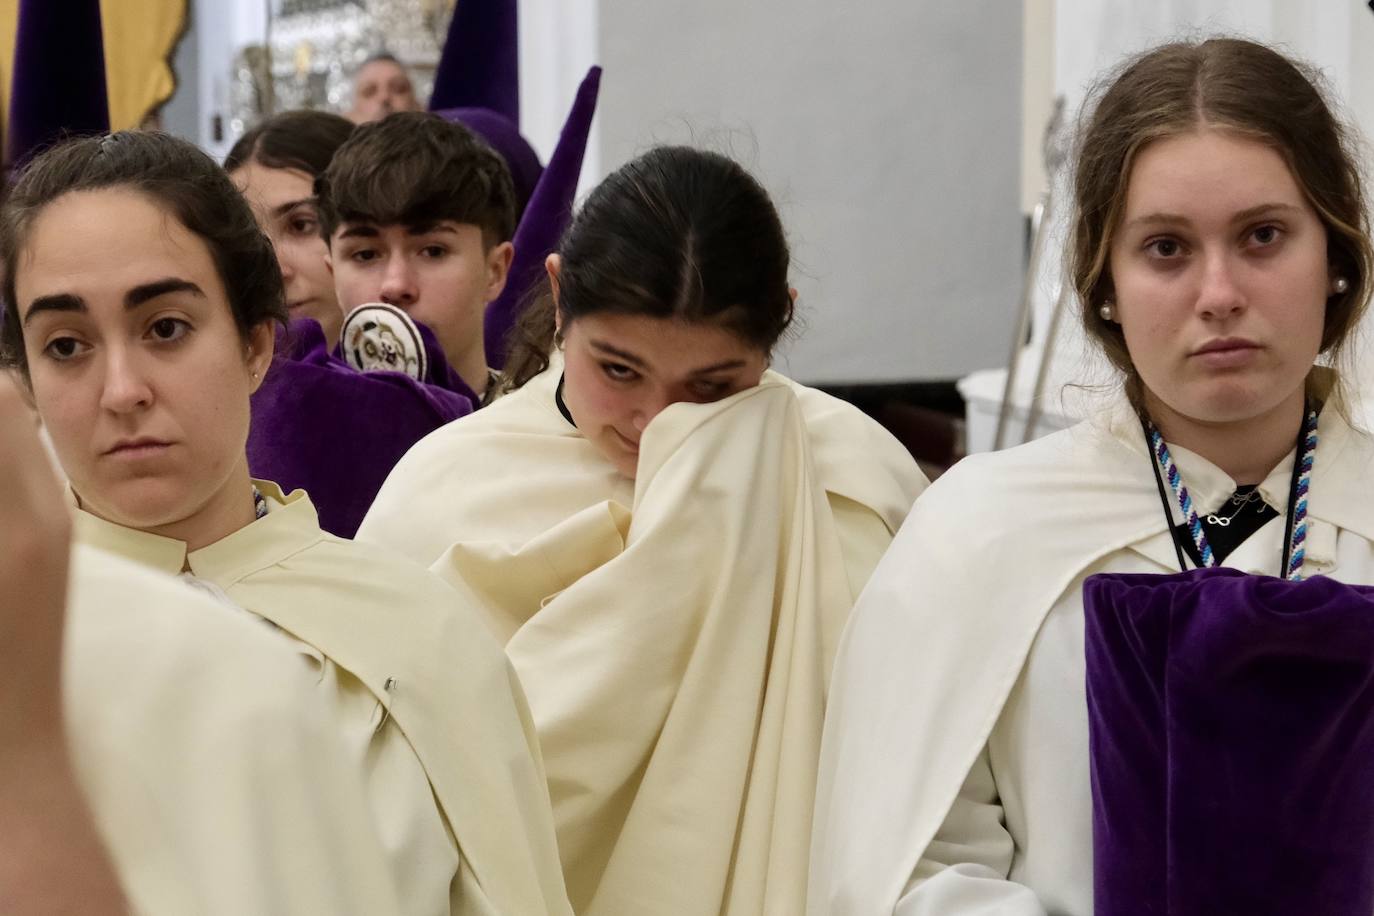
382 338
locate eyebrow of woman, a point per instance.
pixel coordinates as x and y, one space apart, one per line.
1243 216
284 208
138 295
627 357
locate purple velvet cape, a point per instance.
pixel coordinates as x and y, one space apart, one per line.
1232 736
322 426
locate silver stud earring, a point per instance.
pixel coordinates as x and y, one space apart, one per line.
1340 285
1107 311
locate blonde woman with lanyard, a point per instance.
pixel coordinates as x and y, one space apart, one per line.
144 297
1220 251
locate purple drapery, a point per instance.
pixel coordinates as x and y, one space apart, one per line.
1232 738
322 426
59 76
545 219
479 66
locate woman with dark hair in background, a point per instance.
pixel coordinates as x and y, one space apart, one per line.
275 165
668 537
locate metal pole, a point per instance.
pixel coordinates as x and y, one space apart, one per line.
1040 222
1042 373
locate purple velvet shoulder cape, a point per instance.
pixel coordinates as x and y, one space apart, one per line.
1232 738
322 426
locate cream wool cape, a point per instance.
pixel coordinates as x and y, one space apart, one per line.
210 762
674 633
939 639
368 617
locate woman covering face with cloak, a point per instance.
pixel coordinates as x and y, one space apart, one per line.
668 538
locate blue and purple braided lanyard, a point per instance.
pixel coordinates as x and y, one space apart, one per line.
1295 530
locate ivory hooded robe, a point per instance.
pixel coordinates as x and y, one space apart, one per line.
674 632
955 766
213 766
432 708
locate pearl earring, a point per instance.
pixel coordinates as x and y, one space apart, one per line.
1340 285
1107 311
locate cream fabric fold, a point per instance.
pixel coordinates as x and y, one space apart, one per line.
432 704
674 633
513 471
941 635
212 764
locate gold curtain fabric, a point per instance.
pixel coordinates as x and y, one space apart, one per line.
140 37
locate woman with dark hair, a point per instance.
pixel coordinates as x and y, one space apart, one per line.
275 165
1011 731
668 537
143 302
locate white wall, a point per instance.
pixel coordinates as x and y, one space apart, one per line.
1335 35
889 134
221 28
558 43
1037 96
